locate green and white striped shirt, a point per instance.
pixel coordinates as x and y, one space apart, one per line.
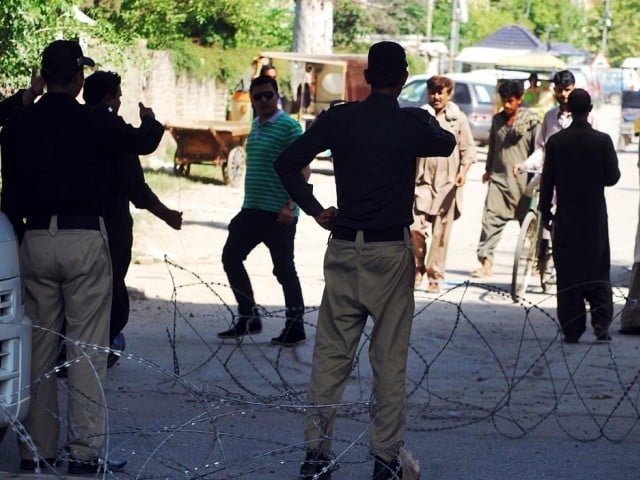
262 187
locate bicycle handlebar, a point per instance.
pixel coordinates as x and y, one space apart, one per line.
529 170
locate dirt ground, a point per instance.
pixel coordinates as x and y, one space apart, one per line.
492 392
480 365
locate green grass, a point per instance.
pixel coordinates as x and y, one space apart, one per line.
199 173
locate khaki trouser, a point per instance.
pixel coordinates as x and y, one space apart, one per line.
437 256
363 279
440 226
67 275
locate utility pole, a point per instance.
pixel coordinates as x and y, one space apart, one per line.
606 23
430 5
455 33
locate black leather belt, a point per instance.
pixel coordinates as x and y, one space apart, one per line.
65 222
393 234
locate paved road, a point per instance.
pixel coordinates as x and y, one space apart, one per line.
493 393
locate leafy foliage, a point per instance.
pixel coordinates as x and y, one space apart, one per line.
207 62
623 33
29 25
230 29
222 23
350 20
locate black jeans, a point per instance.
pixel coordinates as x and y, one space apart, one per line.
120 243
571 306
247 229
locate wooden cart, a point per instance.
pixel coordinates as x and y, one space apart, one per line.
216 142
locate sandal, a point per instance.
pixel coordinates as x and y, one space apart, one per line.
434 287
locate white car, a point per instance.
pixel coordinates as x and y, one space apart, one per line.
472 93
15 334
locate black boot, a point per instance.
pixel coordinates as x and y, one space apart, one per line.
383 470
316 466
292 334
119 345
83 467
244 325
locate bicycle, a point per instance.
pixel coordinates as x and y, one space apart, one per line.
533 252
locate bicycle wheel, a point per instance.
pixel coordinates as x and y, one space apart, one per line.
524 261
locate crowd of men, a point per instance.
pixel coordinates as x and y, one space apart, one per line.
399 176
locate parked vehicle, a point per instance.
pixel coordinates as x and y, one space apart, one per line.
587 79
15 334
611 81
319 81
472 93
631 63
629 114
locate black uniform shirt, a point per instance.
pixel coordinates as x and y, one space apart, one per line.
374 145
127 184
55 157
10 105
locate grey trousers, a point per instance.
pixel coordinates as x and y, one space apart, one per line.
363 279
67 274
494 218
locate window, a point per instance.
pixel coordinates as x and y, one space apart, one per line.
484 93
414 91
461 94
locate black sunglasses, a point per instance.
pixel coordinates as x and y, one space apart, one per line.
260 95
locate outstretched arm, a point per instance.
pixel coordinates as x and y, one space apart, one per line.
173 218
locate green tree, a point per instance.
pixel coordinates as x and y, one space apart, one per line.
350 20
157 21
623 33
27 26
222 23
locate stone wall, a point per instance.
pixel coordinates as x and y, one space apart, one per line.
149 77
174 98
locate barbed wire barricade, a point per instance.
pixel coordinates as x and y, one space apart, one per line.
196 407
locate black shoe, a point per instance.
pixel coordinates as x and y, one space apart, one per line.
290 336
118 344
629 331
28 465
316 466
62 358
243 326
82 467
602 333
383 470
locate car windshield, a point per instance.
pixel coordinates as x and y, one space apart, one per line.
484 93
630 99
581 80
413 92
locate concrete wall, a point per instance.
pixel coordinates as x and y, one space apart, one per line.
154 81
149 76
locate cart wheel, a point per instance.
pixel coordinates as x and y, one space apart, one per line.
181 170
233 169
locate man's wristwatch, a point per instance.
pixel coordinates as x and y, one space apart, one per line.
291 206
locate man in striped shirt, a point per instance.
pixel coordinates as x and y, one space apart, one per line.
268 216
